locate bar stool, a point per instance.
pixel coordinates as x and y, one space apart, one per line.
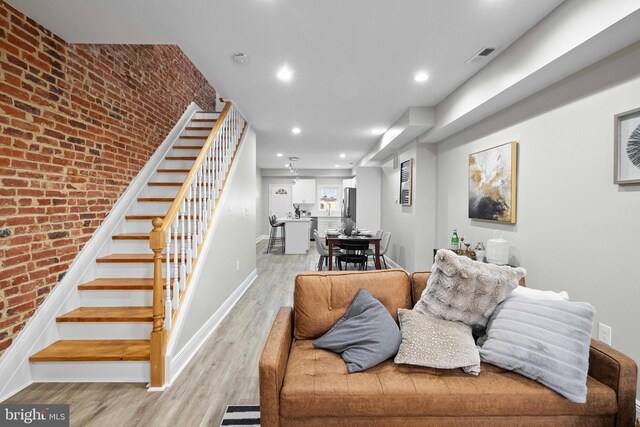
273 235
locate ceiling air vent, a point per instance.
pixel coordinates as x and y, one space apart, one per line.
481 55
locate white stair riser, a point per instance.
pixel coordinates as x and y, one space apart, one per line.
104 330
206 116
143 208
104 298
130 247
137 226
169 177
92 372
176 164
126 270
183 142
184 152
197 132
155 191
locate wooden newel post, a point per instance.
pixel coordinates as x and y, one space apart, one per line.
157 242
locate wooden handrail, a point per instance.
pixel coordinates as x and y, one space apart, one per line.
182 193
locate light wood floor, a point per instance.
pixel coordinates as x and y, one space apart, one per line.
224 372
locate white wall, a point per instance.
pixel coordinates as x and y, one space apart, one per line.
259 198
234 240
412 227
576 230
368 193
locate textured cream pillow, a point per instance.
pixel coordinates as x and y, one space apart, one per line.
436 343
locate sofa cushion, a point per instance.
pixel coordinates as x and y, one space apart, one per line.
467 291
365 336
547 340
316 384
320 299
436 343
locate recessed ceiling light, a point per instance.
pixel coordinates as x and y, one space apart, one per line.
377 131
279 154
285 74
421 77
286 165
342 155
336 166
296 130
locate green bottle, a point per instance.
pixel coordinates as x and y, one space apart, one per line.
455 241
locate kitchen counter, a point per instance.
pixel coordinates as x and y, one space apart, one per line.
296 241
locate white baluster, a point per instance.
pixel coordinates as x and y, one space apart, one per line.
183 249
167 291
194 235
200 206
189 233
176 269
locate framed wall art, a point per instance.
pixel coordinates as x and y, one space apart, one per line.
627 147
406 170
492 183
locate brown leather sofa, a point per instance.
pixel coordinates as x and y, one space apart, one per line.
304 386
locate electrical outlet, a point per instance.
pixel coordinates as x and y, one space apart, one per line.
604 333
237 265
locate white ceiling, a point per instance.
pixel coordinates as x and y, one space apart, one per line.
353 61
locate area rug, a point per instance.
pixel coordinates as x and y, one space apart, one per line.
241 415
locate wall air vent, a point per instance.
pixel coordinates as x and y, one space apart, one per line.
481 55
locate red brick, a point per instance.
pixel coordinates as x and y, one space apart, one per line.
75 129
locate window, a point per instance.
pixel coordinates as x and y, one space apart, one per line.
328 197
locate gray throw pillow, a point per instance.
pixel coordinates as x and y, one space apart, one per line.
547 341
436 343
365 336
466 291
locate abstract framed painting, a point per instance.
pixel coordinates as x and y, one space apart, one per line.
627 147
492 183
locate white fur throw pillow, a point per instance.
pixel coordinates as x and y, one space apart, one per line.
466 291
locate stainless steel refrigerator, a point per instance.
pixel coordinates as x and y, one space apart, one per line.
349 204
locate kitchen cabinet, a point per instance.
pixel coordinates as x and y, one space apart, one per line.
327 223
304 191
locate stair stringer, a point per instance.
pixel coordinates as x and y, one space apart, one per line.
41 330
177 359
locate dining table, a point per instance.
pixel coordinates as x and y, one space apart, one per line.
334 240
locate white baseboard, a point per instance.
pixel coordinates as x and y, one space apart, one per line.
637 409
184 356
261 238
40 331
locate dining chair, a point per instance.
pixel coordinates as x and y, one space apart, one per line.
323 251
354 253
384 246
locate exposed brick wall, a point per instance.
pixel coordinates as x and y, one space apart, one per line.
77 123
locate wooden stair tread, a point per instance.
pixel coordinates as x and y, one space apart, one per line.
173 170
203 120
131 236
200 127
117 285
152 216
164 184
187 147
94 350
156 199
132 258
108 314
180 157
192 137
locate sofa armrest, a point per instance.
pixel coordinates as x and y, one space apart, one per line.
619 372
273 363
